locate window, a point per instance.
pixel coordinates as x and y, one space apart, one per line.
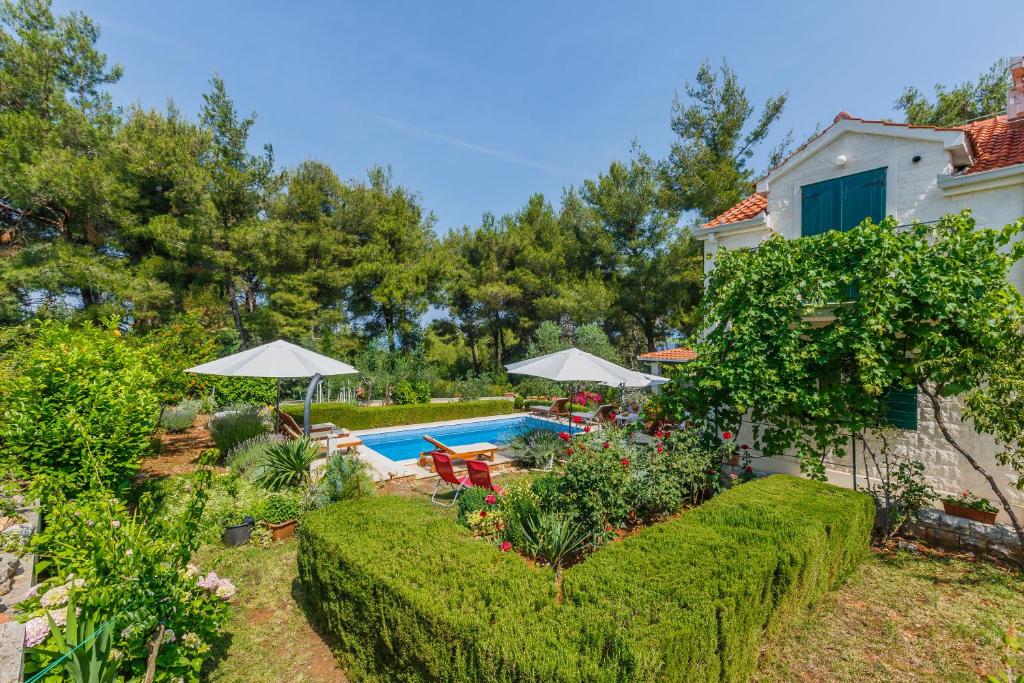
842 203
901 408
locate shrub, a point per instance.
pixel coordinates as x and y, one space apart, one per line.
230 499
237 424
180 417
231 391
278 508
409 393
344 477
371 417
247 458
552 537
518 402
536 448
518 503
684 600
286 464
82 401
471 500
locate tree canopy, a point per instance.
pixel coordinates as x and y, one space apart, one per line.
961 103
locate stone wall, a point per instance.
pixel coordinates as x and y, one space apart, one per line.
939 529
17 576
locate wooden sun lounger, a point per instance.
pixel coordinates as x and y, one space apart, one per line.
557 407
467 452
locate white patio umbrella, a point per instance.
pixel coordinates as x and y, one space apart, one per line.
574 365
278 359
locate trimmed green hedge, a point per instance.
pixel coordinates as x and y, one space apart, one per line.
369 417
411 596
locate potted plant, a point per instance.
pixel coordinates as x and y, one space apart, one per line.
280 514
238 534
970 506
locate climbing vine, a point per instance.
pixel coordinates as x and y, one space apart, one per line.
806 339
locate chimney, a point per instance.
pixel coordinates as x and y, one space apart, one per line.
1015 98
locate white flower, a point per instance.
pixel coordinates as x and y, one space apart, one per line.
55 597
191 640
169 636
59 616
116 654
128 553
192 570
226 589
36 631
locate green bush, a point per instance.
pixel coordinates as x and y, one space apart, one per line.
81 404
536 448
230 391
684 600
231 499
247 458
471 500
411 393
344 477
286 464
235 425
370 417
180 417
278 508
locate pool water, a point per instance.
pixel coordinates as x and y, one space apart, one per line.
405 444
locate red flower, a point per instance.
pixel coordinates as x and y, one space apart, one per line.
564 436
660 448
577 419
483 513
568 451
586 429
726 435
624 462
505 546
659 434
745 447
748 469
606 444
611 415
490 500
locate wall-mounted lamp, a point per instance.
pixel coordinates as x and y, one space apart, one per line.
841 160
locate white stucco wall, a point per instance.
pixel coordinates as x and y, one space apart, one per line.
913 192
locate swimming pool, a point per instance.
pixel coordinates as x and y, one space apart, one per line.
404 444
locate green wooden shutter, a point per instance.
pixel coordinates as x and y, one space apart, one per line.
863 197
901 408
821 207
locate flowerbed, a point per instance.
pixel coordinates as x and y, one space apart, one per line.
411 595
370 417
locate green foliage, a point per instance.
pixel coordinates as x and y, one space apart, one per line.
535 449
278 508
233 391
344 477
518 503
962 103
247 458
81 404
709 165
237 424
901 490
286 464
370 417
966 499
179 418
230 499
1012 660
112 562
408 393
472 500
553 537
685 600
86 641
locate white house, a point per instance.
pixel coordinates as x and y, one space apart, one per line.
859 168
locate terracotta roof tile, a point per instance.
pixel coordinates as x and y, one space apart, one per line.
678 355
995 144
748 208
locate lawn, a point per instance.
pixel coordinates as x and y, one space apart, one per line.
901 616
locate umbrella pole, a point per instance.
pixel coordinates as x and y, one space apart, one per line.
309 399
277 408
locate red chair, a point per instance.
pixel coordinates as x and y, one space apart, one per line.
446 475
480 475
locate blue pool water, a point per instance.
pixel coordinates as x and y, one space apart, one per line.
408 443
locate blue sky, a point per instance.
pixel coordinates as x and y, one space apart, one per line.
477 105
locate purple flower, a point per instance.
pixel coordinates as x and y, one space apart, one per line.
36 631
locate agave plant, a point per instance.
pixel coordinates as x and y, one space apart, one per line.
553 537
286 464
536 448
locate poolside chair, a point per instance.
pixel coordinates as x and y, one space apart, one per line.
467 452
290 427
602 414
480 475
446 475
557 407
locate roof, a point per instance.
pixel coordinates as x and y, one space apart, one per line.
995 144
748 208
678 355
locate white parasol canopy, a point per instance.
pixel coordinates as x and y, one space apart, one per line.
278 359
574 365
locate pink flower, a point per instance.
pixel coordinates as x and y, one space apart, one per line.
606 444
505 546
36 631
115 524
727 435
564 436
490 500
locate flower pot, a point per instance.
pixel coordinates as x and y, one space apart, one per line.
969 513
282 530
239 533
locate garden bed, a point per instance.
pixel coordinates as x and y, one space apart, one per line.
356 417
411 594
